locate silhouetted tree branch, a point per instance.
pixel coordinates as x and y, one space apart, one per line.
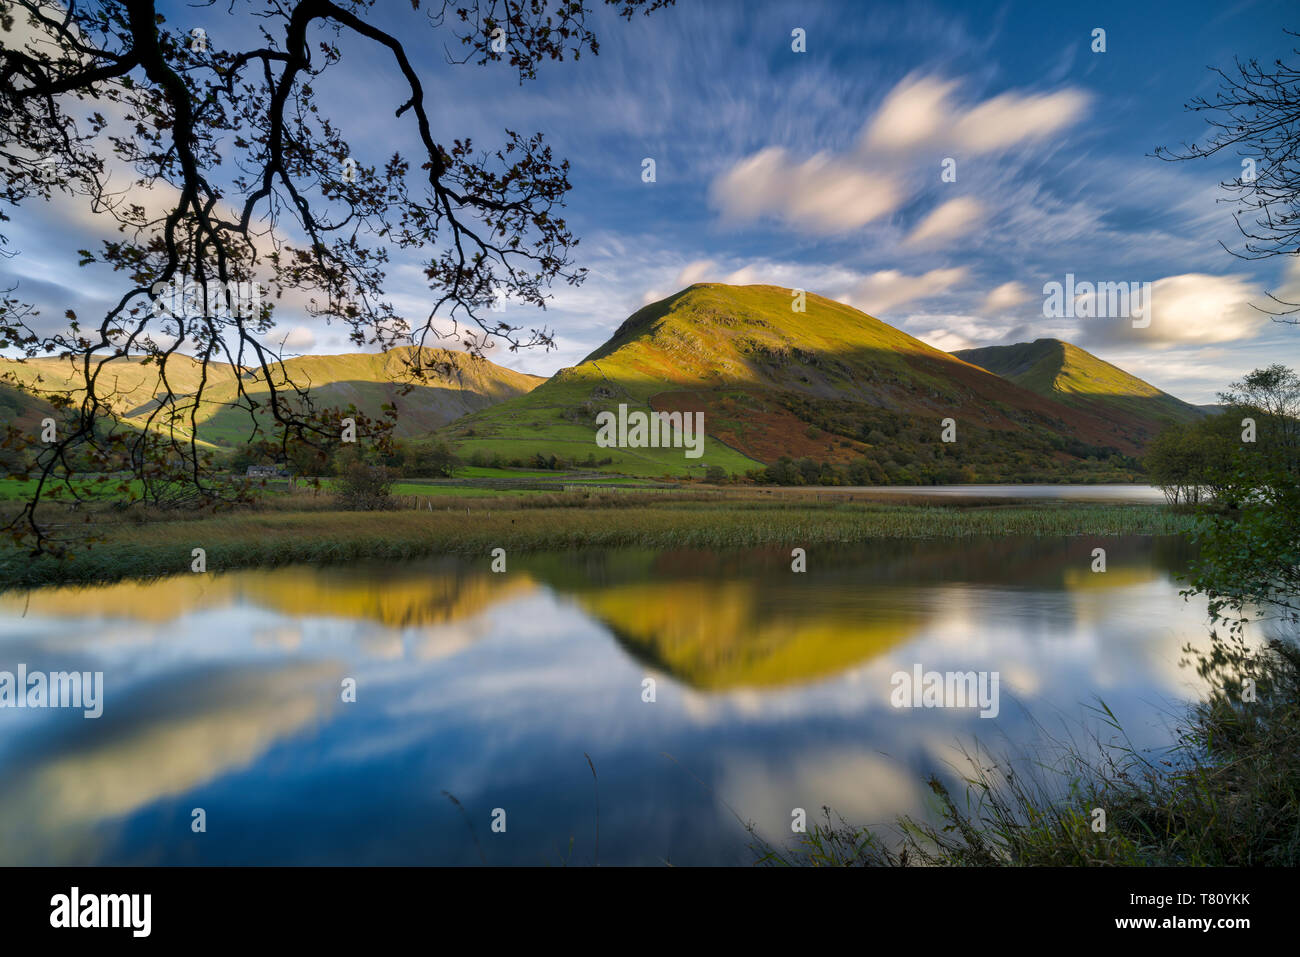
240 176
1257 111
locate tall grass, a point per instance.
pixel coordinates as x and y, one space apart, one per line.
1226 794
269 537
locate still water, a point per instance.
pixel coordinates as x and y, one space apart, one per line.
772 692
1071 493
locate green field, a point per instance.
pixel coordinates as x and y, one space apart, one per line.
13 490
456 491
548 432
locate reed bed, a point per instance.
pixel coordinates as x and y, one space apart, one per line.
271 537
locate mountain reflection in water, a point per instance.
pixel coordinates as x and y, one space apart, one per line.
222 692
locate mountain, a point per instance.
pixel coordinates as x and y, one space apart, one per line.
721 622
21 410
830 384
828 387
1070 375
369 380
366 380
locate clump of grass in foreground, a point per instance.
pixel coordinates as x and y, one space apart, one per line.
251 539
1227 794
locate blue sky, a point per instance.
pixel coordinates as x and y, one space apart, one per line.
821 170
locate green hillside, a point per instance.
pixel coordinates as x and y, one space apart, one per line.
824 394
369 380
830 384
366 380
1068 374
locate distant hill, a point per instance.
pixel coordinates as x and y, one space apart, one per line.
830 384
1068 374
21 410
366 380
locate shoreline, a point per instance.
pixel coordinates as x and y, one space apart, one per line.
271 538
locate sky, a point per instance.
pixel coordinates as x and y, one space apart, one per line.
823 169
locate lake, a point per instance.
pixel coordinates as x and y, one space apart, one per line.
772 691
1071 493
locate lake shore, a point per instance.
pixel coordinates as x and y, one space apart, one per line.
309 530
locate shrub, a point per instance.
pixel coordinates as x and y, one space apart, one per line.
364 486
433 460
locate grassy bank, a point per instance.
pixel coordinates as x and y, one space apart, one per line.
1226 794
308 531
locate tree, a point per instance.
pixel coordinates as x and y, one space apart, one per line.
263 198
1272 397
782 472
867 471
363 485
429 459
1256 111
1250 556
1249 563
260 452
1191 462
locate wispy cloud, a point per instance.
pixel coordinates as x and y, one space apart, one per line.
921 111
820 193
952 219
1188 309
883 291
1006 296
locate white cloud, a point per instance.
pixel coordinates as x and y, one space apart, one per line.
1011 118
919 112
953 331
299 337
913 113
819 194
834 194
872 293
830 281
1192 308
951 219
947 340
884 290
1006 296
698 270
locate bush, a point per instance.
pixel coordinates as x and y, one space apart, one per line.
433 460
364 486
